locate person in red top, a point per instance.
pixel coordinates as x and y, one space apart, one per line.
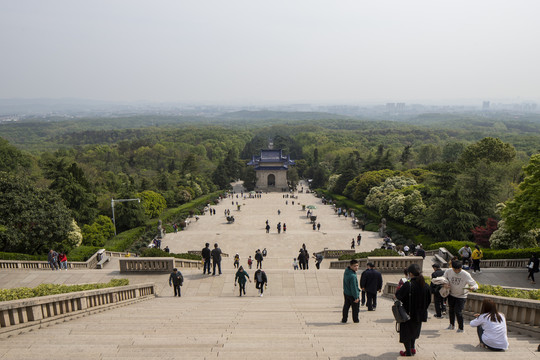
62 259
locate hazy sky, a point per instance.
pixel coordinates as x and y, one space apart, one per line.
232 51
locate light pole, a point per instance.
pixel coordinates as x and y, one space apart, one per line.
112 207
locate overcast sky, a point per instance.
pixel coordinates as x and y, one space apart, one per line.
255 52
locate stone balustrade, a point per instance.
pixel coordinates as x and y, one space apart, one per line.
522 315
385 264
334 254
19 314
154 264
504 263
199 252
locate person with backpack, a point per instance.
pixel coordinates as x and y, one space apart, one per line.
261 281
176 280
440 307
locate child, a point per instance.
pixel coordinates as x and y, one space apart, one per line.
250 262
236 261
295 264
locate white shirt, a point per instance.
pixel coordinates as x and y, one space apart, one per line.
460 283
494 332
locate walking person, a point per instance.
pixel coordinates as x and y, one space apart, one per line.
477 255
259 258
216 259
318 260
491 327
318 226
267 228
279 228
352 244
176 280
236 263
351 294
416 297
533 268
241 276
465 252
302 259
440 307
206 256
459 282
295 264
358 239
250 261
284 227
371 282
261 281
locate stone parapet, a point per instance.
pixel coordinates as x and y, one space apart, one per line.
334 254
385 264
157 265
19 314
522 315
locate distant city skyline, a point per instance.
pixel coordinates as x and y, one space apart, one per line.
245 52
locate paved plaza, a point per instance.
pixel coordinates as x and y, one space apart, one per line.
298 317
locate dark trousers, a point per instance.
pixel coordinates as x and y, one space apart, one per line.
476 265
531 275
363 301
371 302
349 303
480 331
302 265
242 288
206 266
259 264
176 290
260 286
439 304
455 310
218 263
318 265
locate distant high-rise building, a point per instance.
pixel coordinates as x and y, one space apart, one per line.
485 105
400 106
390 106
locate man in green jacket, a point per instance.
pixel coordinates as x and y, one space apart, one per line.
351 292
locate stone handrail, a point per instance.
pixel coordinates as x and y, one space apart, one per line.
522 315
334 254
91 263
504 263
18 314
199 252
385 264
157 265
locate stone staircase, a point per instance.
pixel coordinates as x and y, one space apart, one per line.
250 327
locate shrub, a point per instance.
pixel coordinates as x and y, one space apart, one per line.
362 255
153 252
53 289
17 256
454 246
82 253
511 293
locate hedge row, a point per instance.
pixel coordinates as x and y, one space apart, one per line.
17 256
400 233
54 289
500 291
454 246
363 255
153 252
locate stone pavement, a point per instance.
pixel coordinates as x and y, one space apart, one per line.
297 318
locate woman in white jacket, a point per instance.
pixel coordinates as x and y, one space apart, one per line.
491 327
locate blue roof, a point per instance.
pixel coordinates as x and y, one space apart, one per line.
271 156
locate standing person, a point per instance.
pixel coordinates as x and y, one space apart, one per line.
62 258
459 282
284 227
206 256
216 259
416 297
302 259
261 281
267 227
358 239
250 262
477 255
52 259
371 282
491 327
176 280
406 250
259 258
236 263
465 253
318 260
264 252
241 276
352 244
306 253
351 293
533 268
318 226
420 252
279 228
295 264
440 308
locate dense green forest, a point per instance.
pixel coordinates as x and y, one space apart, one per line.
455 177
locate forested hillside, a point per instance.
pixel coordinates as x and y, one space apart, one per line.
444 177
